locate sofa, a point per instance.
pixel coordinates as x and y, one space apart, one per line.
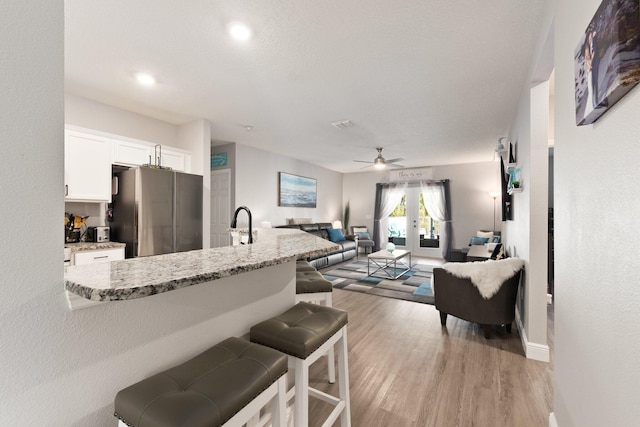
459 297
346 251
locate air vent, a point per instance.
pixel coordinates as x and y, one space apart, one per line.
343 124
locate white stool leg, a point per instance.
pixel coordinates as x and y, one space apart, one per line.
301 399
331 361
279 404
343 372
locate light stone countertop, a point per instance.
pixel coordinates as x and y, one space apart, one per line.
93 246
145 276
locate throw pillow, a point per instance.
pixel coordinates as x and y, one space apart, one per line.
364 235
335 235
479 240
487 234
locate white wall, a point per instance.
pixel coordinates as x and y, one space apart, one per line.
196 138
33 351
256 180
91 114
471 206
597 337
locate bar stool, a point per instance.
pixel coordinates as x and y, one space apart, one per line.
227 385
302 265
312 287
305 332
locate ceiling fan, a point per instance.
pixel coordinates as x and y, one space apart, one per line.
380 162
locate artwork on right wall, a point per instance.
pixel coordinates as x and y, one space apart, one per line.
507 204
607 59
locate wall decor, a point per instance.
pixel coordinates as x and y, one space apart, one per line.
507 199
607 59
296 191
218 159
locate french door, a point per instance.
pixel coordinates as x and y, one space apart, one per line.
411 227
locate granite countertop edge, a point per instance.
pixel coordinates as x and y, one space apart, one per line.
146 276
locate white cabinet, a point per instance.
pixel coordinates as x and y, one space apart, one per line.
176 160
87 169
131 154
102 255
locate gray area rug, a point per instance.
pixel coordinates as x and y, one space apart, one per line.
414 285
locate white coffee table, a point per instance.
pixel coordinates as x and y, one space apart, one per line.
383 261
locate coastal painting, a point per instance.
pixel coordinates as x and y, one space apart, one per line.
296 191
607 59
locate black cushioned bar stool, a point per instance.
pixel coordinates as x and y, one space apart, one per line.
302 265
312 287
305 332
227 385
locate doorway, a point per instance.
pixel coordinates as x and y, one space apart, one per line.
411 227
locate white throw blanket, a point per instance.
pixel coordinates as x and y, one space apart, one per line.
487 276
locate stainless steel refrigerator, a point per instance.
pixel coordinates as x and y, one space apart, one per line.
157 211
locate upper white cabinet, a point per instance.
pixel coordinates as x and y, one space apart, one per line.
135 154
131 154
176 160
88 158
87 170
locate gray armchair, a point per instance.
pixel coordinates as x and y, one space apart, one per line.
357 231
460 298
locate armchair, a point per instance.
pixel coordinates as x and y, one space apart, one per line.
461 298
362 238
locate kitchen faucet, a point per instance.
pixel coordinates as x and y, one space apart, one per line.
234 223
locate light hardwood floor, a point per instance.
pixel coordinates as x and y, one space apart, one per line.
407 370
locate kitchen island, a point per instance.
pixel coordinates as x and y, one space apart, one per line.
144 315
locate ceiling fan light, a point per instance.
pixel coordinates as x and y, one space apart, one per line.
378 164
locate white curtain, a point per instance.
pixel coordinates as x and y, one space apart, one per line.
435 195
388 197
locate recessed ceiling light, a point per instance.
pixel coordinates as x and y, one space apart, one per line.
145 79
239 31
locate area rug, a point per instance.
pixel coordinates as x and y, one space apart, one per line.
414 285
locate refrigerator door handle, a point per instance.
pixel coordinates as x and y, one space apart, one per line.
135 230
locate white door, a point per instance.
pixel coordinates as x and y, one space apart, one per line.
411 228
220 207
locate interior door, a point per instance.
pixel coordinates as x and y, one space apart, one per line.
220 207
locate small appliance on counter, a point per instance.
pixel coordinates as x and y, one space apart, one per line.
75 227
98 234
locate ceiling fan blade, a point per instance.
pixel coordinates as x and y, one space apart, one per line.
395 165
362 161
394 160
364 167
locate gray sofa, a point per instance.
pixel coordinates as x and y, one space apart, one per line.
346 252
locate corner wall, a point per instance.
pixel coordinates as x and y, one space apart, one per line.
597 297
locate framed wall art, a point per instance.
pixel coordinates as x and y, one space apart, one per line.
607 59
296 191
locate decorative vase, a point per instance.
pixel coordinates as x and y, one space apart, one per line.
391 247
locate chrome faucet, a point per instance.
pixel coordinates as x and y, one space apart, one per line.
234 223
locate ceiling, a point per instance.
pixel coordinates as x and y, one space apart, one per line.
431 81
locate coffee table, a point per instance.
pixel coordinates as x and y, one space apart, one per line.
386 263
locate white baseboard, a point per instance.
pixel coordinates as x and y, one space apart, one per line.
532 350
552 420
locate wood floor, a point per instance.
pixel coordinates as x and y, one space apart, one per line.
407 370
